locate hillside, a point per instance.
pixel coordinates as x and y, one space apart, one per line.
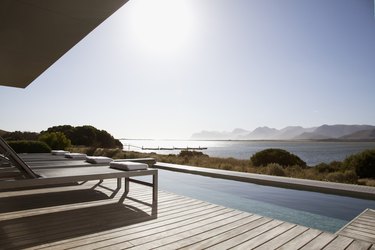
323 132
336 131
311 136
361 135
2 132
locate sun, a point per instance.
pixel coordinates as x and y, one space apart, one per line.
161 26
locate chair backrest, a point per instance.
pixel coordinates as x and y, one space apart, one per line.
15 160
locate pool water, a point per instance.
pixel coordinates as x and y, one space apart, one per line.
311 209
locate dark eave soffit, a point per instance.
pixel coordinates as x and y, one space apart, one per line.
36 33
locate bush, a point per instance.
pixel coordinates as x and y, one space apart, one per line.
55 140
329 168
20 136
29 146
88 136
275 169
274 155
349 176
363 163
111 153
187 153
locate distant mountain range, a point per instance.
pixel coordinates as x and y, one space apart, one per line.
324 132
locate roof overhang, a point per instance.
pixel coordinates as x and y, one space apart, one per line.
36 33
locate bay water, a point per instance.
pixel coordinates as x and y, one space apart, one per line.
312 152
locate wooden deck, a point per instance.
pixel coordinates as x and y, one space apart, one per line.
362 227
81 217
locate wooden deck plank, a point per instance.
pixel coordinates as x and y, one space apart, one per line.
59 218
164 218
158 230
84 240
39 209
110 235
247 235
188 241
362 227
359 245
101 200
283 238
195 229
301 240
208 242
339 243
319 242
261 239
51 220
365 221
355 234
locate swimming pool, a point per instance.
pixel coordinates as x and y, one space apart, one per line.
311 209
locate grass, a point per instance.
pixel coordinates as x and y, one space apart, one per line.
323 172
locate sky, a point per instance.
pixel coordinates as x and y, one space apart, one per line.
166 69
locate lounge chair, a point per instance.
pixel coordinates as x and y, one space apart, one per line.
52 176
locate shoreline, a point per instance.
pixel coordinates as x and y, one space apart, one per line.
260 140
324 172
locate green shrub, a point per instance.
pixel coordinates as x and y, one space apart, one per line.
29 146
56 140
188 153
363 163
226 166
111 153
90 151
88 136
329 168
20 136
274 155
349 176
275 169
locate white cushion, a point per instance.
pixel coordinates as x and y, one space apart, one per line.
76 156
59 152
128 166
98 159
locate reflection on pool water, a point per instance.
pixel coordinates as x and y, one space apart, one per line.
311 209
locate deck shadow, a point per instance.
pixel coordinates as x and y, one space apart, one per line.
56 226
25 202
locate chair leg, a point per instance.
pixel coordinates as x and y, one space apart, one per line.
118 183
155 187
126 185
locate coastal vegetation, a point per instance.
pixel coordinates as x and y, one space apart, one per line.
60 137
88 136
276 155
355 169
55 140
348 171
23 146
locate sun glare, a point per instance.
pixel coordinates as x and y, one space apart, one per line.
161 26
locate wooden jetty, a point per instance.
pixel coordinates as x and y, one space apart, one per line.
165 148
83 217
